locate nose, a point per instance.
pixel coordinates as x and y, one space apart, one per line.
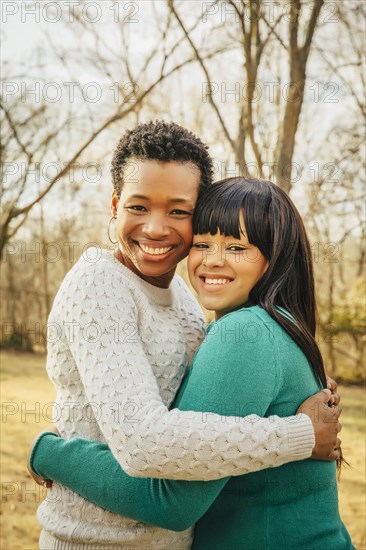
155 227
213 256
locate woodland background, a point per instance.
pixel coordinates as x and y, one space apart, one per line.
275 88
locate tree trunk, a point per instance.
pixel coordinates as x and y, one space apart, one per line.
294 91
286 143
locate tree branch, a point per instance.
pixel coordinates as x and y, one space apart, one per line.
206 73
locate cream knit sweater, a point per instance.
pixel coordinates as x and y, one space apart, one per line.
118 349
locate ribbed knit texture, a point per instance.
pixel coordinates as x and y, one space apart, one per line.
118 350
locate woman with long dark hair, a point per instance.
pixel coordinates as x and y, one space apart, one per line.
275 227
251 263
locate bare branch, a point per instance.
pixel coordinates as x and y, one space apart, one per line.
206 73
318 4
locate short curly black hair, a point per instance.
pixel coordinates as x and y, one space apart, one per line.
164 142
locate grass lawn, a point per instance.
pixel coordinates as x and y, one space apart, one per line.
27 395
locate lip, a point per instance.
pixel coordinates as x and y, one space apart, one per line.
155 257
211 287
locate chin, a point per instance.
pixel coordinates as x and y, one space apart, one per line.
210 306
157 270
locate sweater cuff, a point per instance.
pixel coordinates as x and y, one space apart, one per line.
300 436
35 459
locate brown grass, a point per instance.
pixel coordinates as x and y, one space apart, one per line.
26 397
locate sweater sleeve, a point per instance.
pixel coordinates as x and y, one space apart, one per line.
146 438
230 383
89 469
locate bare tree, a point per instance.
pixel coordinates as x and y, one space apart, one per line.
256 33
31 136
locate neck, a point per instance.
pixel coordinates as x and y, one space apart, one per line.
220 314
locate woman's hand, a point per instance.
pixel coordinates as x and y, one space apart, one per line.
40 480
326 424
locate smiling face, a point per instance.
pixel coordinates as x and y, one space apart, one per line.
223 270
154 218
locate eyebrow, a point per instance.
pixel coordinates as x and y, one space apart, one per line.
175 200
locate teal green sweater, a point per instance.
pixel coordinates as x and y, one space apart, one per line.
247 364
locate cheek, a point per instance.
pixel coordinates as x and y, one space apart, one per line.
192 279
262 267
257 274
125 225
187 232
193 262
253 256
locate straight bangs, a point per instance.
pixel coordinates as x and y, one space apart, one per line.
219 208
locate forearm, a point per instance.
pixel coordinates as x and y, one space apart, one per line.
97 476
206 446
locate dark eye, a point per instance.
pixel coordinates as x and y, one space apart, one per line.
177 212
136 208
200 246
236 248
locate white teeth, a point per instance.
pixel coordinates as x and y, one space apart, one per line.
216 281
155 251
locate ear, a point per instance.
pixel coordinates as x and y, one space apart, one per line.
114 203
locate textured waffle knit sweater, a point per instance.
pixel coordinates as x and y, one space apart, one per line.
118 349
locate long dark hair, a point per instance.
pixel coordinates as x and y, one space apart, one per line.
274 225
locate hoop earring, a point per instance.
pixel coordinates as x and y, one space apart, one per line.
109 229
